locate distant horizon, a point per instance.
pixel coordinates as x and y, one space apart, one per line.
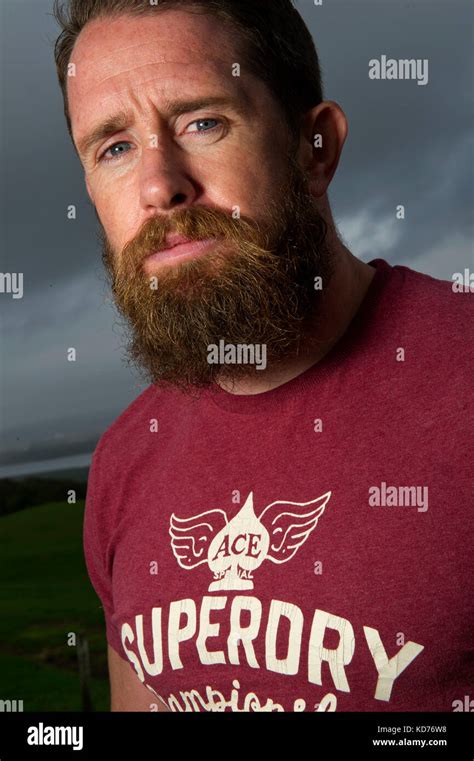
36 467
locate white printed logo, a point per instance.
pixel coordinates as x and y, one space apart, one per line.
234 549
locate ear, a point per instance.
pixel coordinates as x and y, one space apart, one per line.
324 131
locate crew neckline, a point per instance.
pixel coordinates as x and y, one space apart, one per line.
252 403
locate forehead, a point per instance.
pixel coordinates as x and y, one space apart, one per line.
170 52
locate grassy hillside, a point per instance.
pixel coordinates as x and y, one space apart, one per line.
45 594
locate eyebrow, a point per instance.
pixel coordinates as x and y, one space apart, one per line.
122 120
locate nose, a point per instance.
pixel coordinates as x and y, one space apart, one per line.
165 183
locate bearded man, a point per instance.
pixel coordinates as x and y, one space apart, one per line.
239 530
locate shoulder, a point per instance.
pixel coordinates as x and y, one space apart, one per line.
122 432
432 322
448 297
440 311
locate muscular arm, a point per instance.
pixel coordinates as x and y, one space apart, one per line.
127 693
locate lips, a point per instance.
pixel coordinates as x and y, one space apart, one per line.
174 240
179 248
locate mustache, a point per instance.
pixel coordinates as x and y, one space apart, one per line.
195 223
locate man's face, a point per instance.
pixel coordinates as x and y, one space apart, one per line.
220 172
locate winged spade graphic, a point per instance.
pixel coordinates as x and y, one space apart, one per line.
234 549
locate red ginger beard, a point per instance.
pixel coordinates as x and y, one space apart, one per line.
255 286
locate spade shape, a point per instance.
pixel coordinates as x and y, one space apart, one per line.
238 549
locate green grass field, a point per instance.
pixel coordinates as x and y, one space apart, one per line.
45 594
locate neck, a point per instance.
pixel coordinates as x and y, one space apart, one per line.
339 305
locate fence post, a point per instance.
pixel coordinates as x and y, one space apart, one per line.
84 672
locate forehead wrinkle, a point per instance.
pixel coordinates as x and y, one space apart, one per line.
180 94
149 43
193 47
143 65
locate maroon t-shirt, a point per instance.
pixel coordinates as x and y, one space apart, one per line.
308 548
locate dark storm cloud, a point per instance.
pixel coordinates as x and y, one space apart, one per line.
407 144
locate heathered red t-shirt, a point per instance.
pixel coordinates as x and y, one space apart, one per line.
308 548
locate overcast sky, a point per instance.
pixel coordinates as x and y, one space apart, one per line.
408 144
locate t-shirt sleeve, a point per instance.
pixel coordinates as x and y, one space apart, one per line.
96 534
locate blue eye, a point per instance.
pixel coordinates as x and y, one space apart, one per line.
120 149
205 126
206 123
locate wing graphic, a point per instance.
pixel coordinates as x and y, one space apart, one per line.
288 527
191 537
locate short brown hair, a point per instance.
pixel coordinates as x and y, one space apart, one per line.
277 45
